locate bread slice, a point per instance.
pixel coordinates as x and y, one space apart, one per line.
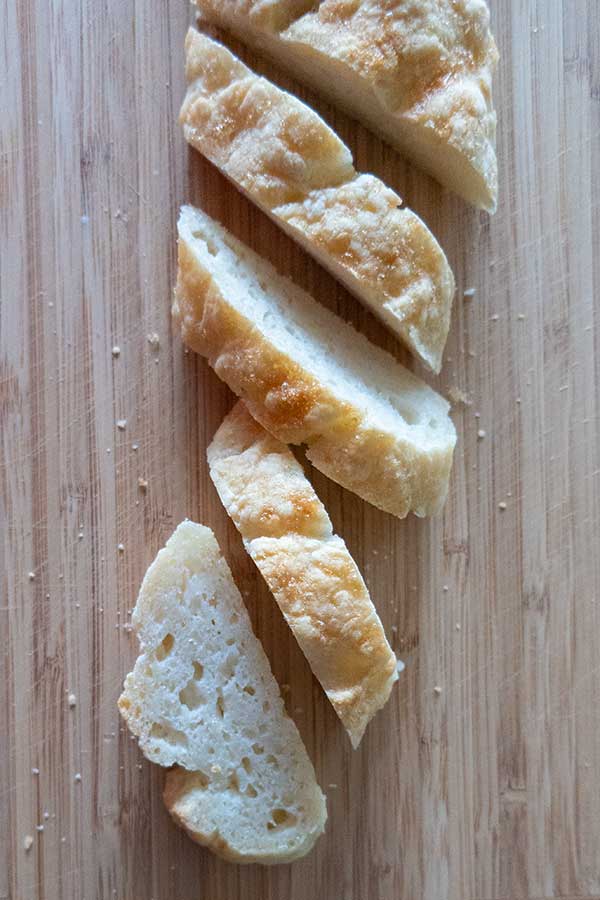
202 697
284 157
309 378
315 581
419 74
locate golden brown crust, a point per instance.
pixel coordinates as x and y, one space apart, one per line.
389 470
288 534
419 73
287 160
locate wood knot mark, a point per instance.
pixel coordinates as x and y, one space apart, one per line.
97 151
10 389
536 598
452 547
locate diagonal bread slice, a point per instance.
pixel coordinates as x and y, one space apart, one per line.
284 157
419 74
308 377
315 581
202 697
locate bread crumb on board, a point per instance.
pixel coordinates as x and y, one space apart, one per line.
481 434
502 505
121 424
469 293
142 485
437 690
154 340
116 351
72 700
27 842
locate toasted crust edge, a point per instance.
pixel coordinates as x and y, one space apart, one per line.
284 398
352 224
284 525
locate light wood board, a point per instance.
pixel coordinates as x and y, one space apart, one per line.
489 789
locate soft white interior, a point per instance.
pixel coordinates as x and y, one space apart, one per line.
335 353
202 696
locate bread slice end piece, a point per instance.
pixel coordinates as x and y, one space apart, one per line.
184 796
202 697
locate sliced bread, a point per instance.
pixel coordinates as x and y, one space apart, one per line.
202 697
308 377
315 581
419 74
284 157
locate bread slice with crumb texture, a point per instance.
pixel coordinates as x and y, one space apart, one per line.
419 74
284 157
202 698
308 377
315 581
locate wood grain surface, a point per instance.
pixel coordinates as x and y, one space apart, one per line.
486 789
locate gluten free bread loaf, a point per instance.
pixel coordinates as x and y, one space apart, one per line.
202 698
419 73
309 378
284 157
318 587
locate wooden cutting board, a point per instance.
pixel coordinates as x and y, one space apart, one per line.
487 788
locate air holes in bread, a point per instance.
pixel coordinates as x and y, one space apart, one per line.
249 690
233 784
227 667
408 414
220 706
281 818
165 647
191 695
210 245
170 735
246 764
198 670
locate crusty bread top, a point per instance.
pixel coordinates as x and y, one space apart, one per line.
202 696
418 72
286 159
287 532
308 377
